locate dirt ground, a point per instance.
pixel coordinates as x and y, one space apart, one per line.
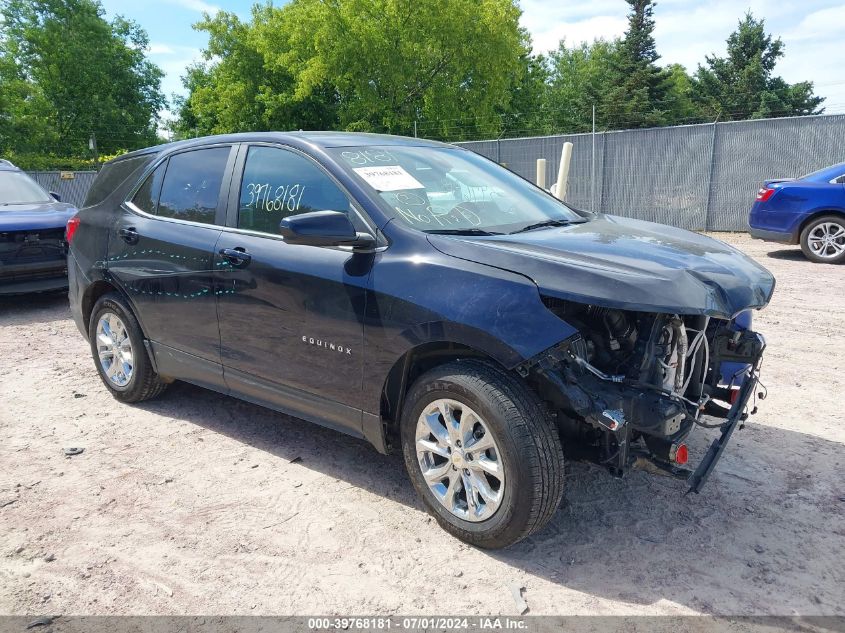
198 503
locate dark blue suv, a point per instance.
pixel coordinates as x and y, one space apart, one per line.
32 235
423 298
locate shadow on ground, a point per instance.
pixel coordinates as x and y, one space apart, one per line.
34 308
789 254
766 513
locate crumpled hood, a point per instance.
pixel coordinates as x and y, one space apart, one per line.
624 263
32 217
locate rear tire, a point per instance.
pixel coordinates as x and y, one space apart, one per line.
524 450
117 346
823 240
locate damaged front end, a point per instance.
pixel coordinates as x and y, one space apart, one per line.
631 386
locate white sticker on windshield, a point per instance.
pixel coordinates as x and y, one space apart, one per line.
388 178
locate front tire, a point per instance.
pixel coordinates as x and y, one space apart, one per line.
823 240
483 453
117 345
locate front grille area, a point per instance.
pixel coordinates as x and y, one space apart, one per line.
32 254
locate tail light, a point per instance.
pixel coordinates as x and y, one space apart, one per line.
679 454
71 227
764 194
734 394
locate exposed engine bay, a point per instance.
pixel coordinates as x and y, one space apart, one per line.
631 386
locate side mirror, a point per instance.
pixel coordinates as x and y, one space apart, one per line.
56 196
323 228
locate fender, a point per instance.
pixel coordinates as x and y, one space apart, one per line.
496 312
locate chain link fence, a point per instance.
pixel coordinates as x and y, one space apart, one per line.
72 186
692 176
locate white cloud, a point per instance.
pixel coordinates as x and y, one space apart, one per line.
688 30
548 36
825 23
200 6
173 59
157 48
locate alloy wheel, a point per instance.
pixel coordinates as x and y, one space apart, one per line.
827 240
459 460
114 349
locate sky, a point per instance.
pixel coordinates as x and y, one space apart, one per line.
686 31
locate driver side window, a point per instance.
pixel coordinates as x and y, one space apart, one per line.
278 183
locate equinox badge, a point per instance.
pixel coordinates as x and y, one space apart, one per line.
327 345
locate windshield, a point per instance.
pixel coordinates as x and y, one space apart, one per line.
449 190
18 188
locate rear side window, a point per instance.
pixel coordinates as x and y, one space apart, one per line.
146 198
113 175
191 186
278 183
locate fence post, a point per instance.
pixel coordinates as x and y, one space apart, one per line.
712 168
541 173
603 169
563 171
593 165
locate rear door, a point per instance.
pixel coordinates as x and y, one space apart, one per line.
291 316
161 252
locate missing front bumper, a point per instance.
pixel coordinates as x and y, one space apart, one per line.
635 425
736 415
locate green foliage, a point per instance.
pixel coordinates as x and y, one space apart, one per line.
622 79
638 97
49 162
238 89
375 65
66 72
31 161
526 112
681 107
742 86
581 77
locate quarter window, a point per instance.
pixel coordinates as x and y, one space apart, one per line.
112 175
191 187
278 183
146 198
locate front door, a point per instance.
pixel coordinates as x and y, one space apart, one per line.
291 316
161 251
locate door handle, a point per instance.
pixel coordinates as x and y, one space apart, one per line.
129 235
236 256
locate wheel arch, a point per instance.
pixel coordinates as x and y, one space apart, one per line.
92 294
412 364
815 214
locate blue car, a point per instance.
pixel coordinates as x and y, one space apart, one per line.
809 211
32 234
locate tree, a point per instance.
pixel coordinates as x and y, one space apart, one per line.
639 94
681 107
525 113
75 73
742 86
237 89
580 78
377 65
24 111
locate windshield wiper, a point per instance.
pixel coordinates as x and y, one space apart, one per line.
462 232
543 224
